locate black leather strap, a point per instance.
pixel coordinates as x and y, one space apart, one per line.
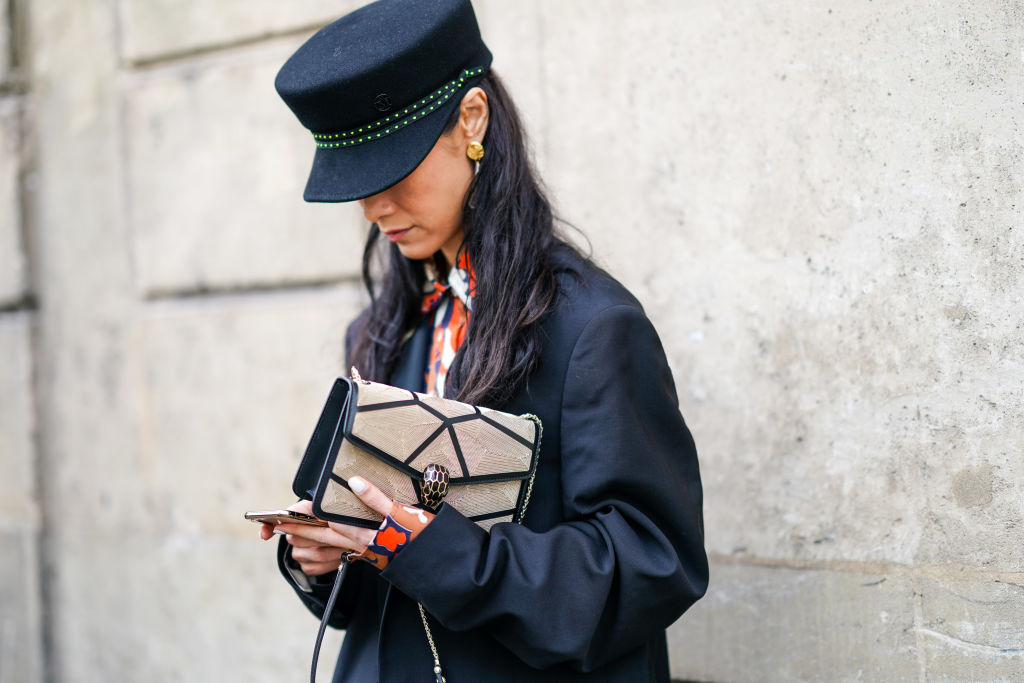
327 615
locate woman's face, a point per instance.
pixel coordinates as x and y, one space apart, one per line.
422 214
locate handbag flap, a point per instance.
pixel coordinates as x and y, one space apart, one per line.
410 431
324 440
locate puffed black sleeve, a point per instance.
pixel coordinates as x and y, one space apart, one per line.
629 559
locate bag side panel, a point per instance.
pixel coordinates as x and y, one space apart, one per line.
315 457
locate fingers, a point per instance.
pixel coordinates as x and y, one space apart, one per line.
317 535
318 568
303 506
299 542
317 561
360 537
336 535
320 554
373 497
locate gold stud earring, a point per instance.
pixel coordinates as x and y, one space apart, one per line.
475 151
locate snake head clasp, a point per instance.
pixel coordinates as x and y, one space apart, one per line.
434 485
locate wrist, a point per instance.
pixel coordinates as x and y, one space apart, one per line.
396 531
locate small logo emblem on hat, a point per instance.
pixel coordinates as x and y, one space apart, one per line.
382 102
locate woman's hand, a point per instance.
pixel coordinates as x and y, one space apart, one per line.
318 550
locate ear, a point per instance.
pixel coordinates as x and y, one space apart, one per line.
474 114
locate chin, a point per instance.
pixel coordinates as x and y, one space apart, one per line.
415 253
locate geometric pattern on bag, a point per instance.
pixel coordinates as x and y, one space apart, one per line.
396 438
420 450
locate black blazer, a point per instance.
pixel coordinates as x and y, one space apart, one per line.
612 548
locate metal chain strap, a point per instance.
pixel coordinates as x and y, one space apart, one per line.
529 486
438 677
433 648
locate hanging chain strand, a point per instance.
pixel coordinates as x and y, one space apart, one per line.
533 475
438 678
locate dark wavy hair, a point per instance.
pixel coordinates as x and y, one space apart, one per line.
510 235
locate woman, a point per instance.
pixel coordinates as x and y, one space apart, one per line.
481 301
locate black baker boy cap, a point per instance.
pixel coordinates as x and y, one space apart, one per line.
376 88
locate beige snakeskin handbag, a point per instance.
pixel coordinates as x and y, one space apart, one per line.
419 450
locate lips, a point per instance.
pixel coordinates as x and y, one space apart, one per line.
396 235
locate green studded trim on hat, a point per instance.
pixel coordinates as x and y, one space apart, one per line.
414 112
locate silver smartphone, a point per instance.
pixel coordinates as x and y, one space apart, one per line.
283 517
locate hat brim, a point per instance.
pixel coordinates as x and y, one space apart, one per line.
345 174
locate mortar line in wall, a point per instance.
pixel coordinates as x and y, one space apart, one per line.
15 84
18 75
13 87
25 166
936 572
178 56
44 557
8 12
315 286
20 305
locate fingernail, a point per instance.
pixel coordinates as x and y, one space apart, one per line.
357 484
279 532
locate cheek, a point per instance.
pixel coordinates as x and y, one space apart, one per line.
437 207
445 179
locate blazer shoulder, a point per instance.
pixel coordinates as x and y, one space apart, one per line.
584 291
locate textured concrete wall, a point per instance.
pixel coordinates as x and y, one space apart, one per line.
13 274
818 204
20 604
21 651
829 233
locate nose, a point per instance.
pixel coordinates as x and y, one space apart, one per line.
376 207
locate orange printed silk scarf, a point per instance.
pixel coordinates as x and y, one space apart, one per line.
451 303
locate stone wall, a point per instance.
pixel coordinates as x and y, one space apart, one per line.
21 652
819 205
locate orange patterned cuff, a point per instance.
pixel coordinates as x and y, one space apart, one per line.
402 524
